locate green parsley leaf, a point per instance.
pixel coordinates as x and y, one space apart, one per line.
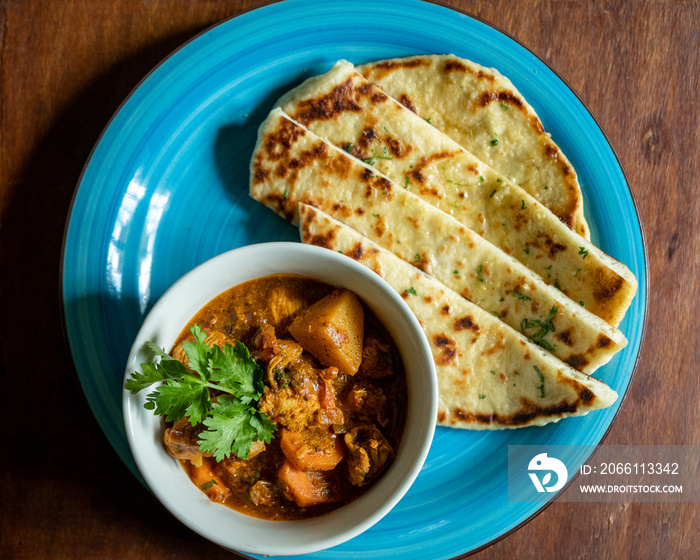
232 419
412 291
520 296
541 386
583 251
232 427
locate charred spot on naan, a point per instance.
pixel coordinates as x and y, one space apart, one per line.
577 361
466 323
608 283
322 240
455 65
529 410
343 98
382 69
446 349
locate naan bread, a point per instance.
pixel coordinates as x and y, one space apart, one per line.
483 112
346 110
489 375
291 165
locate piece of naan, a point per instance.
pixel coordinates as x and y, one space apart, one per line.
482 111
489 375
345 109
291 165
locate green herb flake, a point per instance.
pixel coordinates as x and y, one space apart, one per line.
349 147
405 185
208 485
482 178
523 205
482 395
479 270
543 326
412 291
520 296
541 377
583 251
504 105
581 303
492 193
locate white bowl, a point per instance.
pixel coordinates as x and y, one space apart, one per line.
222 525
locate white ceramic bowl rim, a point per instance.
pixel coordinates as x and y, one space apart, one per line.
229 528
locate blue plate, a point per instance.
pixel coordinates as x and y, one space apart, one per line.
166 188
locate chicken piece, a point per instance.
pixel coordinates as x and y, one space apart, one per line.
239 474
296 404
366 404
279 354
377 358
181 442
369 452
262 494
284 305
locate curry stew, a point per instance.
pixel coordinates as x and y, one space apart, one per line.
334 386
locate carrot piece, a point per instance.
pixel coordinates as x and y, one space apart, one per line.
312 450
306 488
208 482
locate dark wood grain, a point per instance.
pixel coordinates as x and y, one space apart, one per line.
65 67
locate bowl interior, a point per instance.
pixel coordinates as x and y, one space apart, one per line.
223 525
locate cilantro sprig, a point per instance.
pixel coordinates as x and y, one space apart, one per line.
231 417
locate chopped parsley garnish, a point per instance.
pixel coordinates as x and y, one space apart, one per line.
520 296
232 419
349 147
208 485
405 185
458 184
541 386
492 193
504 105
482 395
494 142
412 291
544 327
479 270
523 205
583 251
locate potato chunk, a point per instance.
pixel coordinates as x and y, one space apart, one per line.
332 330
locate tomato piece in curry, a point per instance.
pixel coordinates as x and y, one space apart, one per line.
338 424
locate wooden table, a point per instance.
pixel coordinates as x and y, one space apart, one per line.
66 65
